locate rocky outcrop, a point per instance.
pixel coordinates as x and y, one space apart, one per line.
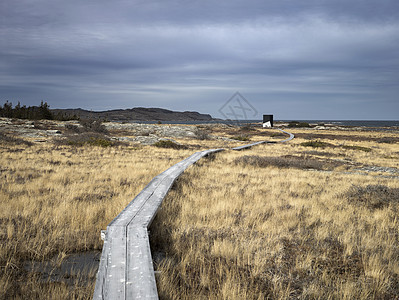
176 131
28 129
146 134
144 140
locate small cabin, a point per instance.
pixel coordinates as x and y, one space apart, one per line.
267 121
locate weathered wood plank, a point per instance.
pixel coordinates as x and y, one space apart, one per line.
148 211
291 136
129 212
126 270
111 278
140 278
102 272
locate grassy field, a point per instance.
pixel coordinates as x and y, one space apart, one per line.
56 199
284 221
303 219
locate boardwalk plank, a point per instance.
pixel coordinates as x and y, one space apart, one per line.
140 278
126 270
130 211
112 278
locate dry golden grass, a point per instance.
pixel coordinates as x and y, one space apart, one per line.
380 154
217 224
56 199
235 231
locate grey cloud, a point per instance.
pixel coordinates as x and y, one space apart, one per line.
185 53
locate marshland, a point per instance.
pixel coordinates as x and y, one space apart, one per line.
313 218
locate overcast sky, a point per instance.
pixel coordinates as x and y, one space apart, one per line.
317 59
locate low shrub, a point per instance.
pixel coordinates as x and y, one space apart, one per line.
4 138
92 125
319 153
41 125
277 134
92 139
201 134
247 127
87 125
73 128
388 140
296 124
297 162
365 149
102 142
242 138
373 196
168 144
316 144
320 144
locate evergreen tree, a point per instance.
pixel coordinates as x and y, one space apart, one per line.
30 112
7 109
44 111
17 111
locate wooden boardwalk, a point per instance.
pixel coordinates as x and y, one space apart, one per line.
126 269
291 136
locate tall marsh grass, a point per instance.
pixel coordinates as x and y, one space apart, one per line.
229 228
253 227
55 199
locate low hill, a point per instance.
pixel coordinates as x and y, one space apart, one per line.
136 114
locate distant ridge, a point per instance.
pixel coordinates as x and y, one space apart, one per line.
136 114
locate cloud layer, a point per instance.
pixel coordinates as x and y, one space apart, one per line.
314 60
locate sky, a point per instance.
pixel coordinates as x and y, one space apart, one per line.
297 60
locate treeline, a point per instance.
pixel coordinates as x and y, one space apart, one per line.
32 112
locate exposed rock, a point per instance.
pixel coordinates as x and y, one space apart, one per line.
145 140
5 121
152 140
378 169
53 132
146 134
158 130
123 139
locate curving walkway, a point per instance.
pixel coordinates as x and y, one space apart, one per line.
291 136
126 270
